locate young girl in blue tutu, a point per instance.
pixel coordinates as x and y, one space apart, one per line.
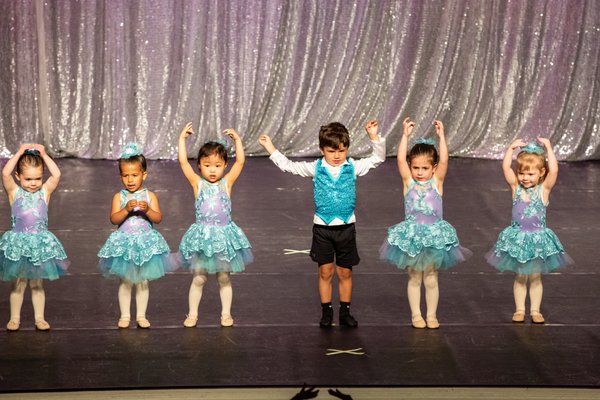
527 247
424 243
29 252
214 244
136 253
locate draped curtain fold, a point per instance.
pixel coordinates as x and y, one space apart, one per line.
85 77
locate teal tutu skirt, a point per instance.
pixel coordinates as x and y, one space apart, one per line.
215 249
418 246
135 257
528 253
31 256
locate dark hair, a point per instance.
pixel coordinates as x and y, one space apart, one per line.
334 135
133 159
210 148
30 158
423 149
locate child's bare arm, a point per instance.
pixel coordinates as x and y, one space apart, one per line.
8 181
118 214
509 174
151 210
403 166
52 182
442 167
187 169
552 173
240 158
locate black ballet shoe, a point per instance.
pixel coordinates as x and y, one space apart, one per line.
327 318
348 320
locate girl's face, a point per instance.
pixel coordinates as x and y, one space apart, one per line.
422 168
212 167
530 177
132 176
30 178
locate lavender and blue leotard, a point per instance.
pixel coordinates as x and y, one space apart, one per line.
214 243
29 250
136 251
527 246
424 239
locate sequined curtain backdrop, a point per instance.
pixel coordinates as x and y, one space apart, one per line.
84 77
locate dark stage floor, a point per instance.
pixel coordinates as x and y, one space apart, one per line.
276 340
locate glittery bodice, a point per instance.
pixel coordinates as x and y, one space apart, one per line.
213 205
136 221
423 203
334 197
29 212
528 209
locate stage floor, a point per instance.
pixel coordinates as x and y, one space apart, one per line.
276 340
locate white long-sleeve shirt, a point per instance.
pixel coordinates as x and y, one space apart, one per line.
309 168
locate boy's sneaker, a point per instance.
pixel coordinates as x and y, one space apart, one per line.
327 317
348 320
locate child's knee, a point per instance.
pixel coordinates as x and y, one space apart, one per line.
36 284
199 280
223 279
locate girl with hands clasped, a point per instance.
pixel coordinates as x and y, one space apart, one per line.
424 242
29 252
214 244
136 253
527 247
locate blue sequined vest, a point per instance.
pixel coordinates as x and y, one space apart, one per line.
334 197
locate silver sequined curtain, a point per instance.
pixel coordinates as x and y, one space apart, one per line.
84 77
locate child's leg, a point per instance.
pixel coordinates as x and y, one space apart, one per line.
344 283
413 291
142 294
325 279
536 290
432 294
226 294
125 303
195 294
38 299
520 294
16 302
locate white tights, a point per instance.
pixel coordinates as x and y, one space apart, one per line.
38 298
225 292
142 293
429 278
536 290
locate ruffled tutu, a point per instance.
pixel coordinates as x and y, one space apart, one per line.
419 246
31 256
215 249
528 252
135 257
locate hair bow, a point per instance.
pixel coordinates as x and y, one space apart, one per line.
425 141
32 152
131 150
533 147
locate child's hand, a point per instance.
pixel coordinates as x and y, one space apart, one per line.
372 128
186 131
407 126
25 146
131 205
439 128
544 142
265 141
40 148
232 134
517 143
141 206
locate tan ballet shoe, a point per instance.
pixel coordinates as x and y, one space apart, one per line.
190 322
419 322
143 323
433 323
226 320
13 325
123 323
518 317
42 326
537 318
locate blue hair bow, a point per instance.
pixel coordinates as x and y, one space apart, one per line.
533 147
131 150
425 141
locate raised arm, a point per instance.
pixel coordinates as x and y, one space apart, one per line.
509 174
403 167
52 182
8 181
265 141
240 158
552 173
442 167
182 156
301 168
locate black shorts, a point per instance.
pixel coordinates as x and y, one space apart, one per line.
335 243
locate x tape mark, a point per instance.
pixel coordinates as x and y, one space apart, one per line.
292 251
354 352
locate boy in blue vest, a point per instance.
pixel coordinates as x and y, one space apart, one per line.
334 235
